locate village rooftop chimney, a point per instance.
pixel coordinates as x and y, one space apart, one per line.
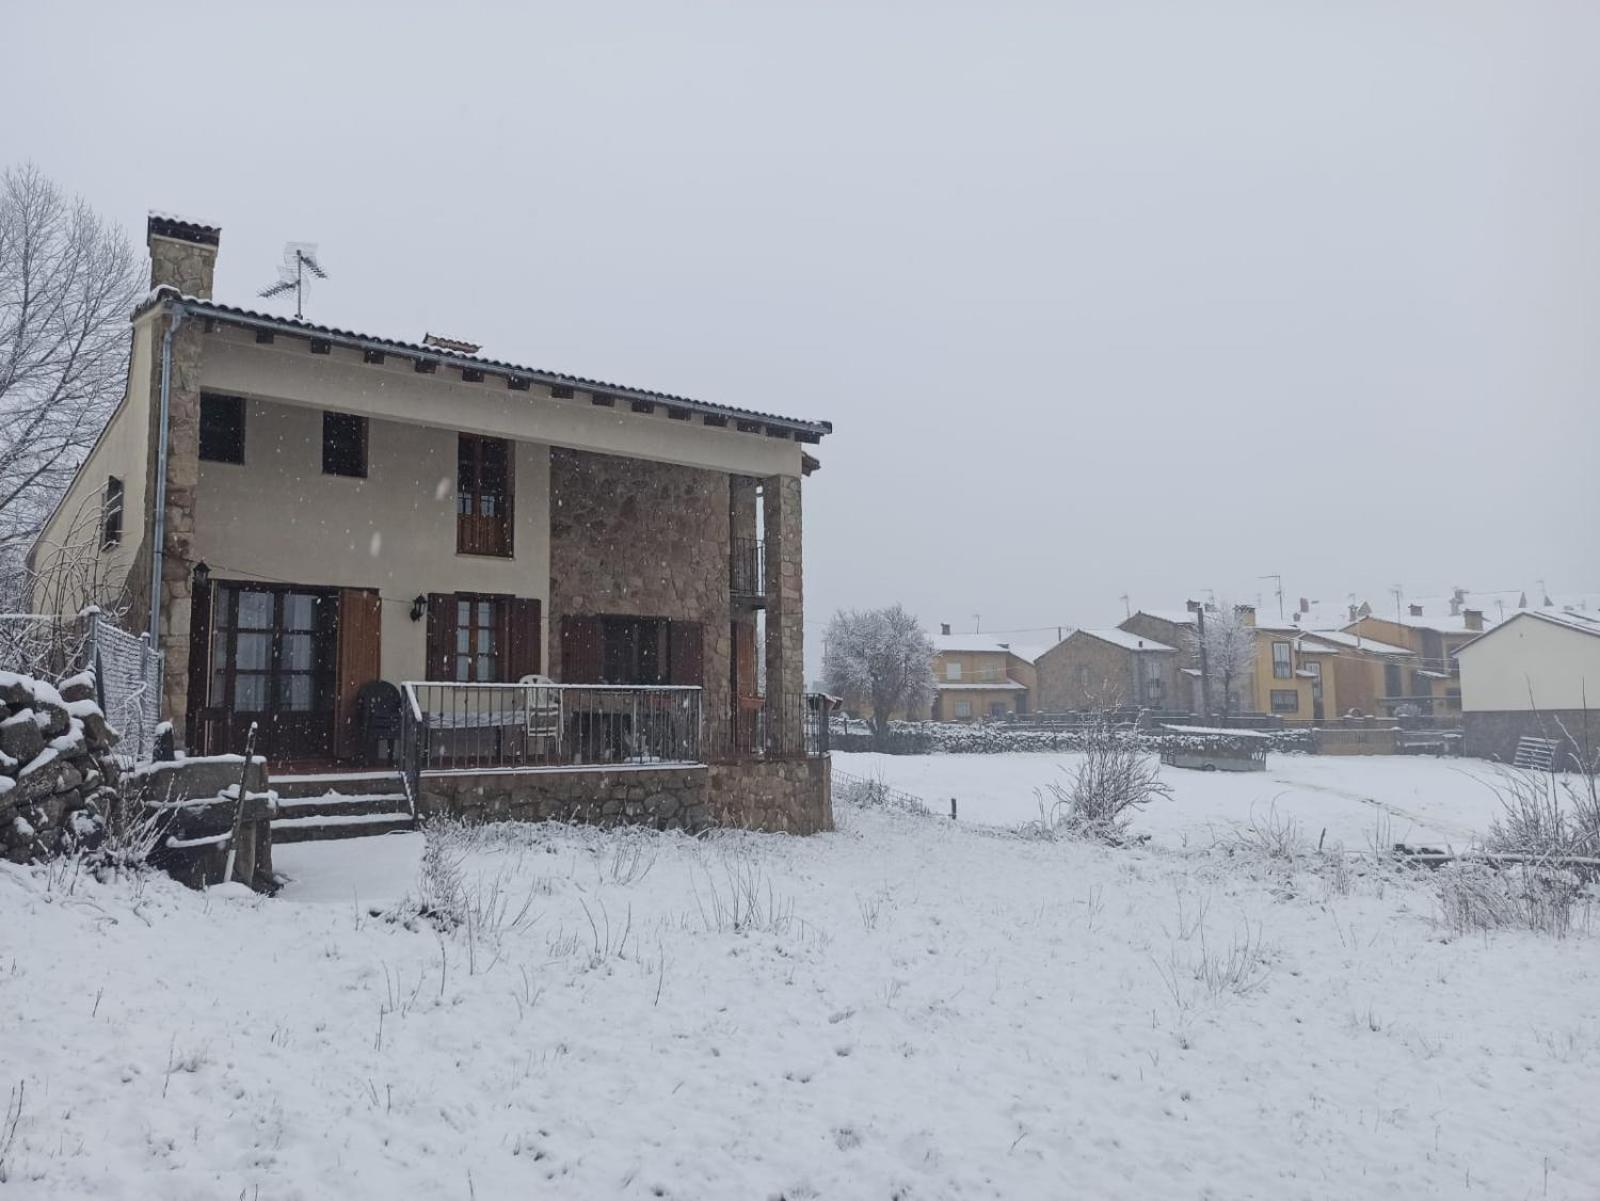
183 254
1473 618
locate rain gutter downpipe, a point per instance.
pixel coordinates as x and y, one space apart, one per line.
158 538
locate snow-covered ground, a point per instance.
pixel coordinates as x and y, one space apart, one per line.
1417 800
906 1008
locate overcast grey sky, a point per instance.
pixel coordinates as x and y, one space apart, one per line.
1102 298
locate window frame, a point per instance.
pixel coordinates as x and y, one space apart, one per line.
471 523
213 407
1283 669
962 709
952 671
1278 706
330 450
112 504
496 627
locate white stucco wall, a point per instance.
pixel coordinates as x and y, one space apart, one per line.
286 370
1553 661
278 518
123 450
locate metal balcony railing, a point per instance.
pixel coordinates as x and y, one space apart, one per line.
747 568
488 727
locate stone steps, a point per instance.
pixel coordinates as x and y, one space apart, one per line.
318 807
322 827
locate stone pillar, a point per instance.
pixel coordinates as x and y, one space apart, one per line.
785 648
183 255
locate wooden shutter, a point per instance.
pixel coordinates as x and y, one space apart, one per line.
744 658
199 670
441 637
580 650
360 620
688 654
522 638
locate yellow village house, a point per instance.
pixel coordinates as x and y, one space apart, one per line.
979 679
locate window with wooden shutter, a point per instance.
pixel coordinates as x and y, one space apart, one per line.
441 636
483 496
687 653
580 650
523 638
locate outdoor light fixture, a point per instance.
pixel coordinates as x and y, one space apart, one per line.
202 575
418 608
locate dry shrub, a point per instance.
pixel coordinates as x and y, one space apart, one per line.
1116 778
1476 896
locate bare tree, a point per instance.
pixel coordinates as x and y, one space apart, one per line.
68 281
1229 649
880 658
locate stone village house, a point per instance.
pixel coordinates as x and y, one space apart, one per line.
296 511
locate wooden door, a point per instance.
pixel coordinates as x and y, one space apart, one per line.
359 649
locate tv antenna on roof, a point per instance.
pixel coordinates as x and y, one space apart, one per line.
298 259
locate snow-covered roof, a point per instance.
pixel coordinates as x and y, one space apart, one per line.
1356 642
993 686
1306 647
1128 641
974 644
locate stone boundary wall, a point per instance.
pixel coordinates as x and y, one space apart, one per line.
1493 734
57 773
779 796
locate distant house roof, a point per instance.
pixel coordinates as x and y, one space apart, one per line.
992 686
1128 641
1583 623
1356 642
1177 617
745 420
974 644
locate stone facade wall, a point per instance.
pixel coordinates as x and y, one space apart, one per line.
636 538
791 796
57 775
1085 672
666 797
1493 734
785 650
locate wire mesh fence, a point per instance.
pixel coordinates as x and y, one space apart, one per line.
127 670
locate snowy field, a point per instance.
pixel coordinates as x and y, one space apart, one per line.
1416 800
908 1008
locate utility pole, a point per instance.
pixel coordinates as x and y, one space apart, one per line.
1127 605
1199 612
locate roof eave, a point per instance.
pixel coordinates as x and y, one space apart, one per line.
804 431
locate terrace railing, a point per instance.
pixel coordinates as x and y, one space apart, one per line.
747 568
489 727
793 727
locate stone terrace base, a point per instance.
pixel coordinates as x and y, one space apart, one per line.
790 796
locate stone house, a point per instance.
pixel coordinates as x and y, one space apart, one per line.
1109 668
301 511
1537 674
979 679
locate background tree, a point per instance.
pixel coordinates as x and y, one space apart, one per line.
1229 646
881 659
68 281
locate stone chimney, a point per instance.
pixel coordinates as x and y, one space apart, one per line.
1247 613
1473 618
1354 614
944 628
1416 610
1305 605
183 254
